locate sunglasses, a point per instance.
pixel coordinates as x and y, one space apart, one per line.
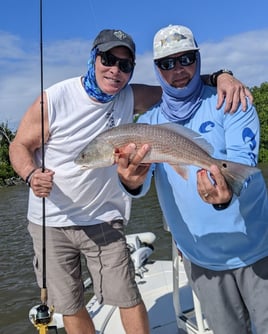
108 59
186 59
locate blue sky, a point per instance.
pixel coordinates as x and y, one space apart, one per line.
230 34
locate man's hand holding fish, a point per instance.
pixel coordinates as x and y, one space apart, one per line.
132 172
212 187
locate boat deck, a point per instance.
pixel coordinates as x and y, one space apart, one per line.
156 286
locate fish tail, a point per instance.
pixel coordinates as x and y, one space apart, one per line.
237 174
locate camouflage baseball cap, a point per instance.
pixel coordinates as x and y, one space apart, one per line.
173 39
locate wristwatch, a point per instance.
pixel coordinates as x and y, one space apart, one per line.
214 76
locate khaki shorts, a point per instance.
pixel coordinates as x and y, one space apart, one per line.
108 260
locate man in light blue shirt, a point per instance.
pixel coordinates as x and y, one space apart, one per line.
223 237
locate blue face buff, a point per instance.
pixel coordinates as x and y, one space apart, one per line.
179 104
90 83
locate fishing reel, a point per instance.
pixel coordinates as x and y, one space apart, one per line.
41 317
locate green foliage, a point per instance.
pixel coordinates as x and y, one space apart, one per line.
6 171
260 95
6 135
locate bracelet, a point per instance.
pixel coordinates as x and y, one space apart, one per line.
222 206
29 177
214 76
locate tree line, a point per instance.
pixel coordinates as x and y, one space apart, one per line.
260 95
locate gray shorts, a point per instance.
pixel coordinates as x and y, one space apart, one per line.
108 260
233 301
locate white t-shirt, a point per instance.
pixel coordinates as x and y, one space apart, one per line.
80 197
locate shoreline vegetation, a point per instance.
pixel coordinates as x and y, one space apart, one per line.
8 177
13 181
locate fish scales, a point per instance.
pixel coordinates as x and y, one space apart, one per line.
162 140
170 143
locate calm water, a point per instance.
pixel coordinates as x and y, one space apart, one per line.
18 290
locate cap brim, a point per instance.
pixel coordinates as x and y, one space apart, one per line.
108 46
167 53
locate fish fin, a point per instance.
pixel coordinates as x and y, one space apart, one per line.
236 174
189 134
181 170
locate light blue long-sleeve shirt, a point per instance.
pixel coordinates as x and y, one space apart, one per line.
236 236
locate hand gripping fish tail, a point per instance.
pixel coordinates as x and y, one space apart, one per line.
237 175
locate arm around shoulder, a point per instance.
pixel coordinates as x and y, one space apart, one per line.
229 89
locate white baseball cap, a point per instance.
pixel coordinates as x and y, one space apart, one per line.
173 39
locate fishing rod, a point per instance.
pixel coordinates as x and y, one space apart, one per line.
42 315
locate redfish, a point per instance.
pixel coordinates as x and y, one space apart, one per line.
170 143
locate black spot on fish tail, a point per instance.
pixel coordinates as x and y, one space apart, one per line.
237 174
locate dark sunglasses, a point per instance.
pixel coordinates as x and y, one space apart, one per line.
108 59
169 63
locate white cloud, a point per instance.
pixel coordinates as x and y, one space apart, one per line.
246 54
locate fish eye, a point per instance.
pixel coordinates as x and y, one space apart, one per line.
224 165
